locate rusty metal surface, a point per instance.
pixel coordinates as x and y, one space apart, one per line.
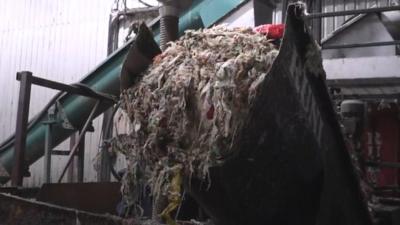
18 211
139 57
21 127
92 197
81 155
77 88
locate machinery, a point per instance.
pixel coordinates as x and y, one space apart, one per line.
104 79
301 172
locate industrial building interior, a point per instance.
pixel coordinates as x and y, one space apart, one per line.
318 144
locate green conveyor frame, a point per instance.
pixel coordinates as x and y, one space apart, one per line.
105 79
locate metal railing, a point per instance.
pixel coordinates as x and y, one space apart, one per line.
325 18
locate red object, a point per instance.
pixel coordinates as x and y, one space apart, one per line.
273 31
157 59
210 113
382 143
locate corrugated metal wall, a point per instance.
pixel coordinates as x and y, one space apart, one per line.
330 24
55 39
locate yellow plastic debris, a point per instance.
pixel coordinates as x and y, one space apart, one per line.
174 195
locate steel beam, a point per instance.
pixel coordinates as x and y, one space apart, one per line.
78 89
351 12
383 164
105 164
60 152
263 12
317 24
358 45
81 155
71 168
21 127
47 153
81 135
48 146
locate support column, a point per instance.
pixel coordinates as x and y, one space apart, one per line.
71 168
81 156
48 146
263 11
105 164
21 127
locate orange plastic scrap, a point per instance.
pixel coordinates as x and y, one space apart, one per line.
273 31
157 59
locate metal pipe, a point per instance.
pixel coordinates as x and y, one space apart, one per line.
352 12
168 30
169 21
21 128
357 45
81 135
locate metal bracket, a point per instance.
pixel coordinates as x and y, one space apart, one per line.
62 116
60 152
57 115
75 148
52 119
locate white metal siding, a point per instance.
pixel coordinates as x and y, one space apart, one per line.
55 39
332 23
243 17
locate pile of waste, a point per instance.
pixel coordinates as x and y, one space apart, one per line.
187 108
